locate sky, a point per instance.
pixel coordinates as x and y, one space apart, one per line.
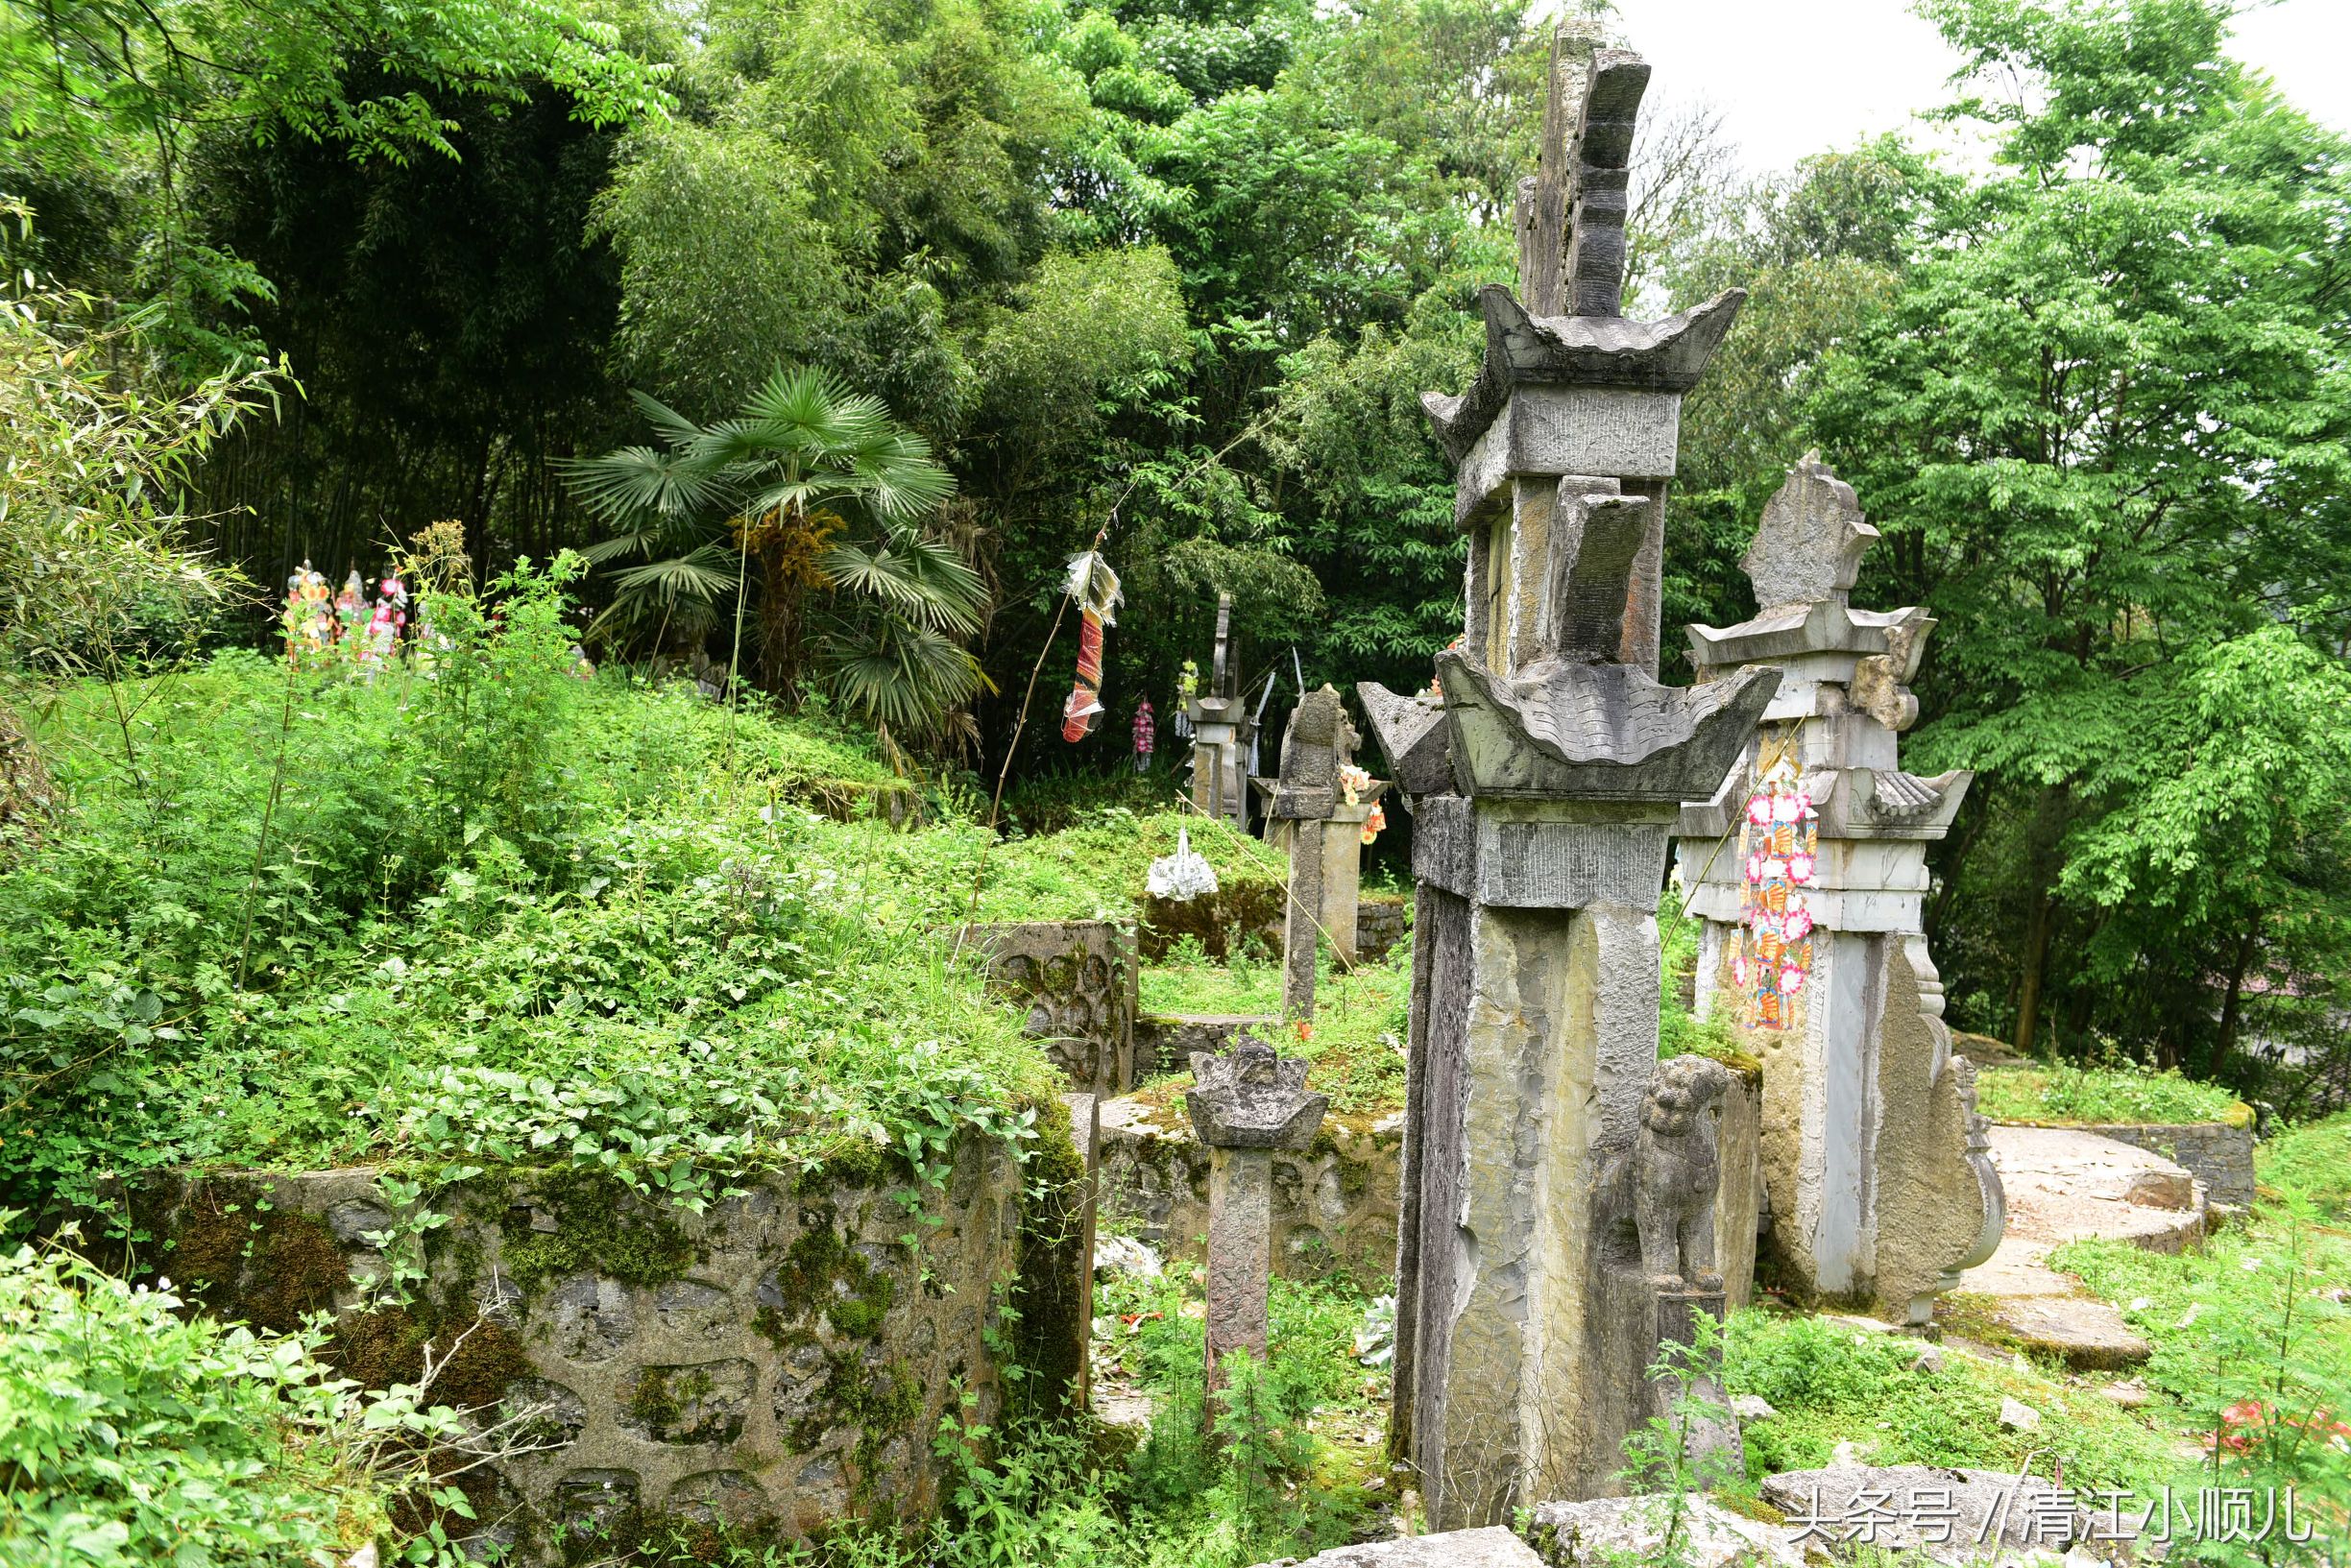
1795 77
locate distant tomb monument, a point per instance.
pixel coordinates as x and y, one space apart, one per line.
1877 1164
1310 818
1554 1169
1222 728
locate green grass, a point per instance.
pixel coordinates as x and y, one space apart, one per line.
1832 1383
2251 1337
1187 983
1095 868
2102 1094
1353 1047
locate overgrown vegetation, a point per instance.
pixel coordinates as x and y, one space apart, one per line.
133 1432
1354 1045
478 913
2102 1094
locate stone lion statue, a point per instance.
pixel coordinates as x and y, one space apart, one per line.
1668 1179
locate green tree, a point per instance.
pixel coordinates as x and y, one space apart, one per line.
116 93
771 484
2103 426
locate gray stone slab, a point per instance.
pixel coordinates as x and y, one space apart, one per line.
1493 1547
1608 1532
1606 432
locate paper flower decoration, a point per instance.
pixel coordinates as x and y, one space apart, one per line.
1779 853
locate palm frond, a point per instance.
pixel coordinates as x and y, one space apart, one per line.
895 674
625 486
913 577
705 576
675 428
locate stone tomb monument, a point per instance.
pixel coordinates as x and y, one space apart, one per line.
1245 1103
1878 1167
1553 1170
1221 732
1309 817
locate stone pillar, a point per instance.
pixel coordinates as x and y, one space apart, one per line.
1304 805
1342 870
1086 1132
1245 1104
1864 1200
1221 732
1559 1182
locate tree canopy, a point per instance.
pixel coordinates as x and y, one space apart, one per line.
1178 270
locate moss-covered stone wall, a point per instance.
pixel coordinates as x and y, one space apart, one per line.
759 1372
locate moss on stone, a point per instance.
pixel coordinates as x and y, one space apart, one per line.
822 1271
242 1258
482 1366
600 1229
209 1235
880 1399
856 1163
1048 1341
480 1360
377 1348
650 1402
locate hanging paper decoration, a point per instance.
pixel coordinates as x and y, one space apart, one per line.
1779 849
1145 737
1096 588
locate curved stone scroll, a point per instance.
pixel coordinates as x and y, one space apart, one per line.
1940 1208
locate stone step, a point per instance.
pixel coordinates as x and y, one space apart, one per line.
2065 1184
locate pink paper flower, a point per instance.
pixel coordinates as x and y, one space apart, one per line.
1801 867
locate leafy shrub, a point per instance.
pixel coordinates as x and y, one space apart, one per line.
132 1434
244 945
2250 1339
95 572
1681 1032
2102 1094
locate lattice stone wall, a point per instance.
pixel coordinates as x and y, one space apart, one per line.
767 1368
1076 978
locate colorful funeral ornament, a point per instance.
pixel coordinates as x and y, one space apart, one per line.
1187 688
1145 737
350 608
1096 588
1778 846
1353 780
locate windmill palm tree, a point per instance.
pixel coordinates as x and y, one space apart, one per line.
809 504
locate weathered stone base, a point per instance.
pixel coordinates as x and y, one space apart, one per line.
1164 1043
2215 1153
769 1368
